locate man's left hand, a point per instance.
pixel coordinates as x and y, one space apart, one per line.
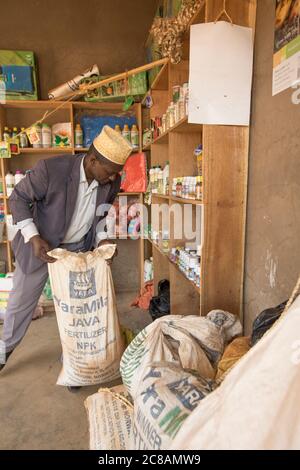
107 242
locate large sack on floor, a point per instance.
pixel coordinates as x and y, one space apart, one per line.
110 416
228 322
257 405
192 342
232 354
264 321
87 317
167 395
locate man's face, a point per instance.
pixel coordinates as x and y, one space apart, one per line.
103 173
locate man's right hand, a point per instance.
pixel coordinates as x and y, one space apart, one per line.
40 248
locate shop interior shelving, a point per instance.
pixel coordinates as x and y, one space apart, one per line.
23 114
222 211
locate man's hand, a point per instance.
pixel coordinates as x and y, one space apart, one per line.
40 248
107 242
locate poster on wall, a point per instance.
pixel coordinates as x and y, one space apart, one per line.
286 59
221 62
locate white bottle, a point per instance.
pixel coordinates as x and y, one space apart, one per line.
10 183
18 176
46 135
148 270
165 177
38 130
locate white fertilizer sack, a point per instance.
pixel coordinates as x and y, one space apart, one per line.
110 417
85 305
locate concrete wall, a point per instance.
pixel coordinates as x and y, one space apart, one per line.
69 36
273 222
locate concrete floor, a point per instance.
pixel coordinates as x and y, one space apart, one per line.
35 413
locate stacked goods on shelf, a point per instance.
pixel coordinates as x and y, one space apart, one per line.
12 180
159 179
40 135
93 125
136 87
18 72
6 285
176 111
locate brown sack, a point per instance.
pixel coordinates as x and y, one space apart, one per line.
234 351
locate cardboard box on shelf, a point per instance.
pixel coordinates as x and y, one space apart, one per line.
114 91
18 74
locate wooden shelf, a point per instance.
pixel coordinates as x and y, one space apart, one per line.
44 151
161 196
3 197
181 126
130 194
156 246
40 104
182 200
178 199
85 149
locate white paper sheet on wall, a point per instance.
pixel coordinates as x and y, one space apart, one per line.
221 64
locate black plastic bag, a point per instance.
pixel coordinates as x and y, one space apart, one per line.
264 321
160 305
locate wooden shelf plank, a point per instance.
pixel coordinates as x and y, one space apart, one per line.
85 149
130 194
181 126
47 150
161 196
173 264
40 104
186 201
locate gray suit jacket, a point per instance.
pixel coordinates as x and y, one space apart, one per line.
48 195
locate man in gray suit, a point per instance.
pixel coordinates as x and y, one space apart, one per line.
58 204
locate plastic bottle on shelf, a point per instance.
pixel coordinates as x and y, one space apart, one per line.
165 241
78 136
126 133
1 186
181 106
23 139
160 182
6 134
18 176
46 135
166 179
198 189
174 186
10 183
134 135
14 135
38 130
148 270
118 128
171 115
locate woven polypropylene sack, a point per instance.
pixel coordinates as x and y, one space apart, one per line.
85 305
